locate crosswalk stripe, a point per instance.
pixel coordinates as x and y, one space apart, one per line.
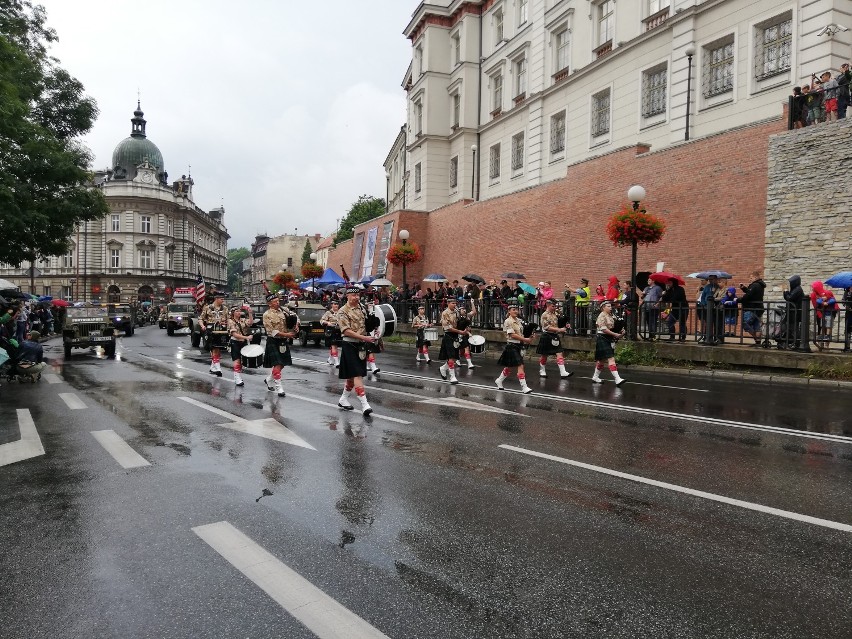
119 449
318 612
53 378
72 401
28 446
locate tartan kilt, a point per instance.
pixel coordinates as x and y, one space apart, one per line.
272 356
448 351
545 344
512 356
351 364
604 348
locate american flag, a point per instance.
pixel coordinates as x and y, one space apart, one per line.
200 290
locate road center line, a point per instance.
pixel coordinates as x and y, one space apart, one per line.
826 523
319 613
53 378
28 446
72 401
119 449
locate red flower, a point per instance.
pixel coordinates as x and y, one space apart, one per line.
630 226
311 270
407 253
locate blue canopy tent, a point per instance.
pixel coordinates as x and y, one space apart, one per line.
329 277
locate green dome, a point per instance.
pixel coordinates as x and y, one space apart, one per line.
132 151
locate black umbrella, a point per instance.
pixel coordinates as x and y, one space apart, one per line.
473 279
514 276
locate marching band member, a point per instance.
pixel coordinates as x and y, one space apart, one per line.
604 348
420 323
213 314
464 343
551 332
352 321
279 334
450 342
240 331
332 333
372 367
512 355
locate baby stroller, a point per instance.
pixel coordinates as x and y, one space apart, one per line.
783 329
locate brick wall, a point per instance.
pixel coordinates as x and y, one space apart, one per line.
711 192
809 217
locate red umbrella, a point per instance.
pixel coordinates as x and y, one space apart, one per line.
61 303
662 277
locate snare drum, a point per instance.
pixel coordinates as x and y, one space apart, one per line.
387 319
430 334
251 356
477 344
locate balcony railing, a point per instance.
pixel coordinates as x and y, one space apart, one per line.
656 19
602 50
560 75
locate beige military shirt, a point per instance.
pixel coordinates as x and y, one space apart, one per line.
549 320
605 321
240 327
419 321
352 318
449 319
275 321
329 319
514 330
211 315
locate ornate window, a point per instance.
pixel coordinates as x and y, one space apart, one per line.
417 177
456 109
146 223
68 259
523 11
718 72
497 93
557 134
605 22
418 118
774 46
494 162
518 152
115 258
456 49
115 222
561 45
454 172
654 83
145 258
600 113
498 27
521 77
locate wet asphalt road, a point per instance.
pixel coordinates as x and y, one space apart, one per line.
433 518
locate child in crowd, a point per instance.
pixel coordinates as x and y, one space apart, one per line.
730 305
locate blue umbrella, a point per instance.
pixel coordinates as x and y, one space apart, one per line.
703 275
45 298
435 277
526 288
840 280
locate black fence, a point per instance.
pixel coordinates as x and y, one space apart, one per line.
774 324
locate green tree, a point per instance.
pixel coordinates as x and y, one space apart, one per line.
306 254
235 267
366 208
44 168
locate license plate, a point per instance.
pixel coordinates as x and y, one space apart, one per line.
101 339
318 330
94 333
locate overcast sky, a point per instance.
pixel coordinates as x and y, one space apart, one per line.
285 110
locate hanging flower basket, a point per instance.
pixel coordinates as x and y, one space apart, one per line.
630 226
407 253
285 279
311 270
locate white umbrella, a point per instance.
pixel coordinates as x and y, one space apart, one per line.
6 284
381 282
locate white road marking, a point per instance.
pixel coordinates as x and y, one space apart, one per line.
119 449
268 428
826 523
29 445
463 403
72 401
322 403
319 613
53 378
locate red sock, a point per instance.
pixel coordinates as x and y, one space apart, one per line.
276 375
599 366
238 366
560 360
371 358
360 391
542 360
522 376
451 364
349 385
613 367
505 372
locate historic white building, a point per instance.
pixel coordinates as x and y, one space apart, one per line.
504 95
154 239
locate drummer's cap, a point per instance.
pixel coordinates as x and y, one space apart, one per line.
271 296
353 290
606 303
550 302
513 303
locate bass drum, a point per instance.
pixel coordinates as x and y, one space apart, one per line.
387 319
251 356
477 344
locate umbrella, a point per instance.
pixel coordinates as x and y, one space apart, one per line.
840 280
663 276
61 303
511 275
45 298
382 282
6 284
435 277
703 275
526 288
366 279
473 279
642 279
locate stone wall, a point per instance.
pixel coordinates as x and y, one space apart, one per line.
808 218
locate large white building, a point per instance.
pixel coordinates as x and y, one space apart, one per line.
504 95
154 238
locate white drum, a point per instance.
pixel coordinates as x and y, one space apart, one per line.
251 356
477 344
387 319
430 334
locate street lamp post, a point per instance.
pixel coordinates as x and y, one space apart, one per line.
690 51
387 191
635 194
313 277
473 173
403 237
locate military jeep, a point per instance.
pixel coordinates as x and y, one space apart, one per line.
123 317
179 316
309 321
88 326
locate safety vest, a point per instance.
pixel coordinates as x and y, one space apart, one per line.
584 301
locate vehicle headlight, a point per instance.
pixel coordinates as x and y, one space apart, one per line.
178 317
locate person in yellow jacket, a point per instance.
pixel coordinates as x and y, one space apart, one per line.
582 299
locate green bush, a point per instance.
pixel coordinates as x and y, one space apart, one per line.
830 371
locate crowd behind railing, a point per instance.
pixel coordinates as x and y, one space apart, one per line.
825 99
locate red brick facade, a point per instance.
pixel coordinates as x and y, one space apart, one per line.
711 192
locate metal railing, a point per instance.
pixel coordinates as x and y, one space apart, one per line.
771 324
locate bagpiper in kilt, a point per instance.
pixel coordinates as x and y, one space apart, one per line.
553 327
281 325
332 333
464 342
512 356
213 320
352 321
451 341
240 331
420 323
